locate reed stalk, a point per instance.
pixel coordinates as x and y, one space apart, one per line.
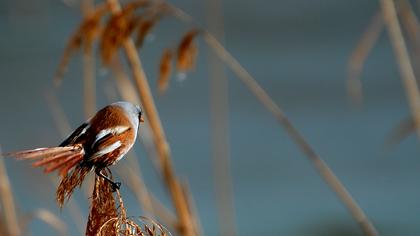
219 121
180 203
323 169
89 69
8 203
403 59
360 53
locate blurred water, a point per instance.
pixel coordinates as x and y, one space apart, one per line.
298 51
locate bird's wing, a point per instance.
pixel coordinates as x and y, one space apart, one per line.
107 141
71 139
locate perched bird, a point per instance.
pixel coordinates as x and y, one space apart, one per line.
96 144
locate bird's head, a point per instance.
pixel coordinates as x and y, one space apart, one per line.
139 112
133 112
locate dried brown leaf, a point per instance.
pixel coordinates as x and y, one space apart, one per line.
165 70
187 51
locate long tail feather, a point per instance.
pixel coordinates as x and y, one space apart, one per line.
57 165
41 152
63 171
54 158
51 158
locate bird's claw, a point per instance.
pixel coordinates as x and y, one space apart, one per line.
115 186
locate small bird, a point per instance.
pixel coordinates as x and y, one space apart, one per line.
96 144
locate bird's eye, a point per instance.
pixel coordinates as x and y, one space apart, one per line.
140 118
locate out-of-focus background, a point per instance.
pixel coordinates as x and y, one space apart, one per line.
298 51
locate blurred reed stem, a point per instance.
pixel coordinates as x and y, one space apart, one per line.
132 172
50 219
322 168
325 172
174 187
87 7
63 126
89 83
219 121
358 57
7 203
410 24
403 59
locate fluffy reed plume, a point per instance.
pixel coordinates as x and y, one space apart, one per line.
165 70
187 51
143 29
118 29
85 35
107 218
69 182
103 208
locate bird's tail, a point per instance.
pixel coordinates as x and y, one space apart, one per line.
69 182
53 158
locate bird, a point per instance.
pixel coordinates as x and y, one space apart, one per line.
96 144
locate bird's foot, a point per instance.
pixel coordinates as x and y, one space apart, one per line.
115 186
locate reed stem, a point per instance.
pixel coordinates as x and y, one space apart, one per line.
325 172
403 59
174 187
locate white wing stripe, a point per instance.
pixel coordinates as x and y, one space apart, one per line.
108 149
115 131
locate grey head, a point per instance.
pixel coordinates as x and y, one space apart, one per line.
134 112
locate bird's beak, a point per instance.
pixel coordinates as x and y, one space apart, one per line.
141 120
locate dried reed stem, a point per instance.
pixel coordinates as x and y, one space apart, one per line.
63 125
262 96
403 129
180 203
124 86
403 59
52 220
136 184
89 83
89 69
58 115
219 119
193 208
164 214
7 203
359 56
411 25
295 135
133 176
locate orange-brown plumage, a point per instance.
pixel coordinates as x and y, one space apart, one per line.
98 143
